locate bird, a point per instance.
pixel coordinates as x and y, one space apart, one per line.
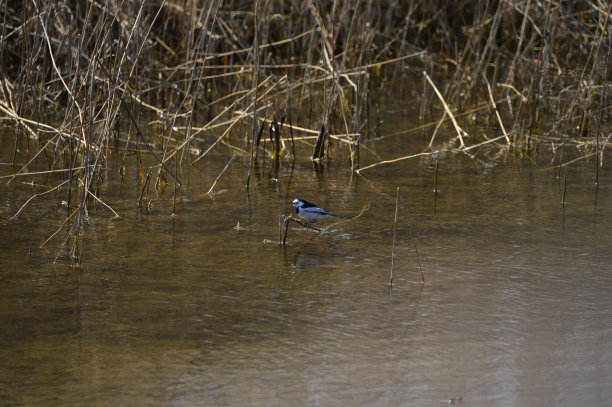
311 212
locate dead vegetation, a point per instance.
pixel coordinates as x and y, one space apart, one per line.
171 80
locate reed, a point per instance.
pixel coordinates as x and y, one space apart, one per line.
394 235
173 80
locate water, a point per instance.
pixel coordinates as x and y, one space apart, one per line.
205 308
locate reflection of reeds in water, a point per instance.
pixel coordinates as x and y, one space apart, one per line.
170 81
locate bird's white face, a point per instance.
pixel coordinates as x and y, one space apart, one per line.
297 203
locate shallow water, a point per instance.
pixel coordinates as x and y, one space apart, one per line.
205 308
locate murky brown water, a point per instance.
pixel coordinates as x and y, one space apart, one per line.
194 310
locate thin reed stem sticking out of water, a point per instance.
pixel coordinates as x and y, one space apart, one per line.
394 235
367 167
416 249
599 159
435 189
210 190
174 189
563 201
255 86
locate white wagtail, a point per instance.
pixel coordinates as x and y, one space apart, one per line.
311 212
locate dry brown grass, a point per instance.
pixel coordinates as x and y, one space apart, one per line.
174 79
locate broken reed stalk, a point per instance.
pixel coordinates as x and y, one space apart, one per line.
61 226
210 190
435 132
36 196
394 234
494 106
367 167
460 131
104 204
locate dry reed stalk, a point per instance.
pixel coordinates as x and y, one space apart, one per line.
360 170
436 174
255 87
105 204
147 146
604 30
435 132
36 196
232 122
563 201
394 235
494 106
61 227
83 68
210 190
521 38
460 131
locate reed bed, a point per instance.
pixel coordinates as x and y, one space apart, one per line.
169 81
